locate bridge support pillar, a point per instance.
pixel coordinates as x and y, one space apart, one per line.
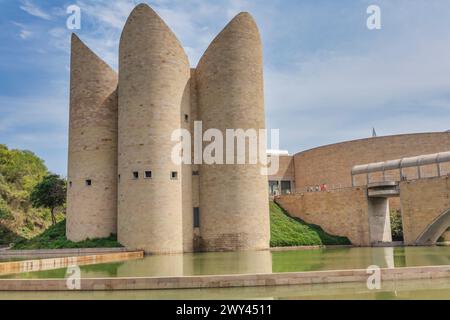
379 221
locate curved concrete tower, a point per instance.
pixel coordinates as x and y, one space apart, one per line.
92 168
154 77
233 198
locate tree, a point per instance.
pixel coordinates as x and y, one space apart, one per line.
50 193
21 168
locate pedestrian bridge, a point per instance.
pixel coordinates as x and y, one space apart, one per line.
362 212
385 189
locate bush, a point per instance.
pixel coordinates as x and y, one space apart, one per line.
396 226
5 212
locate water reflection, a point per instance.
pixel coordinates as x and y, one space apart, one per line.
199 264
414 289
437 256
157 266
260 262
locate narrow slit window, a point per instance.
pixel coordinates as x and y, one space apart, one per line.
186 118
148 175
70 184
136 175
174 175
196 217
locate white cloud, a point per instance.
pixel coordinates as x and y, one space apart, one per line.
24 31
110 13
34 10
25 34
60 38
397 80
191 22
320 88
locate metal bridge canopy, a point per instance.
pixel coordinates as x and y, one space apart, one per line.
399 164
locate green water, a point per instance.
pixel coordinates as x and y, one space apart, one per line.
262 262
258 262
403 290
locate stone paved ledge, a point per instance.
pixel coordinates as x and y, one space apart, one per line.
11 254
15 267
228 281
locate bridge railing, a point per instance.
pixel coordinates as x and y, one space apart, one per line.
438 164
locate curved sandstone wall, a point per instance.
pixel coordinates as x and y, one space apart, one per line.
91 209
344 212
332 164
154 77
233 198
423 201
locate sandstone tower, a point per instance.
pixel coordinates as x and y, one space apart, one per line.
120 166
230 95
154 74
92 169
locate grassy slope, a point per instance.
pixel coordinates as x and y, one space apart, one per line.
55 238
288 231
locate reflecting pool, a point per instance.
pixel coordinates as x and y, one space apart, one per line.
403 290
258 262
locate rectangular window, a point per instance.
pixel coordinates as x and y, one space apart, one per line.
148 174
274 188
195 173
174 175
136 175
196 217
89 182
186 118
285 187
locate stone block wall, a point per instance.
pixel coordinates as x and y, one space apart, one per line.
332 164
422 202
342 213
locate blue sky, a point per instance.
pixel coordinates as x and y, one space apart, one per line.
328 78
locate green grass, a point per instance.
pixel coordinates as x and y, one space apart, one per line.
55 238
287 231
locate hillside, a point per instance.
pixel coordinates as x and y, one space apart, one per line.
287 231
55 238
20 171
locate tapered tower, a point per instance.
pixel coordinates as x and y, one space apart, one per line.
154 77
233 198
92 167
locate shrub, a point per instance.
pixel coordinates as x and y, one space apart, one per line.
5 211
396 226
